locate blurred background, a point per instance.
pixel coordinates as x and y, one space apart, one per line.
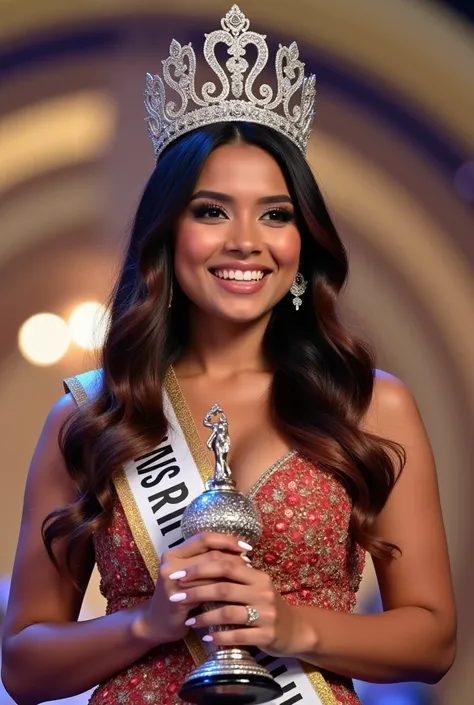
393 152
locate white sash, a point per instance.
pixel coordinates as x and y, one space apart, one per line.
154 492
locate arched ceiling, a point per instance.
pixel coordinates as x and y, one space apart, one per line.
377 38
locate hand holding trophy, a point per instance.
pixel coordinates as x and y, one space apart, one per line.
229 674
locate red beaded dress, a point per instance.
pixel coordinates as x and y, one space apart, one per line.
306 548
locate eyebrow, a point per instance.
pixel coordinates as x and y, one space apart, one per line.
225 198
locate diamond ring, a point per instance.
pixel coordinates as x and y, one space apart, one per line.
252 615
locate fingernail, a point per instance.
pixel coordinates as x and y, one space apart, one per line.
249 565
179 574
245 546
245 558
208 637
178 597
190 622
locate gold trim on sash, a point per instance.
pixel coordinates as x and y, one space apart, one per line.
188 427
141 535
319 683
137 527
72 385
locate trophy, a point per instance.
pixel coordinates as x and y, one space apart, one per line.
230 674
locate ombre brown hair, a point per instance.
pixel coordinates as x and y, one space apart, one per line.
323 377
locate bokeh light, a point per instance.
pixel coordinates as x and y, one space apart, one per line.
44 339
88 324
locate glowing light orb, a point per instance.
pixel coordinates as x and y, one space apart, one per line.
88 325
44 339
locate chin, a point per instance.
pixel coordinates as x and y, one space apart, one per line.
242 315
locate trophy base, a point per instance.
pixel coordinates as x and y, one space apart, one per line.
230 690
230 676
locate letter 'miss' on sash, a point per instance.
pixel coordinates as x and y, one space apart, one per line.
154 491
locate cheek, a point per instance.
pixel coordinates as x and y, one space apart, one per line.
287 248
193 245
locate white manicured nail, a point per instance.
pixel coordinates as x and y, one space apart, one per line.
208 637
178 597
179 574
245 558
245 546
190 622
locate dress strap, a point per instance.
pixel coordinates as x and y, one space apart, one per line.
85 386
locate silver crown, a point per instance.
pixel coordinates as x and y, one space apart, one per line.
235 100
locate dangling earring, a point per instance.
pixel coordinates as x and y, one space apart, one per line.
297 289
170 300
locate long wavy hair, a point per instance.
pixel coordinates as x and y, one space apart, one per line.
323 377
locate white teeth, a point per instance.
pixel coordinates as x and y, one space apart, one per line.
239 274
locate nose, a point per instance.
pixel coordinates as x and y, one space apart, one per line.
243 239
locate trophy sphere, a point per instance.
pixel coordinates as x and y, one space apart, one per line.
222 512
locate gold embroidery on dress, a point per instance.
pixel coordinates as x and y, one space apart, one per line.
271 470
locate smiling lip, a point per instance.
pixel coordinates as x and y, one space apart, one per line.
236 286
242 266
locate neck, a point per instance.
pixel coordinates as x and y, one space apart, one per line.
223 349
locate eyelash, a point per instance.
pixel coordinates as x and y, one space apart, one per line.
201 210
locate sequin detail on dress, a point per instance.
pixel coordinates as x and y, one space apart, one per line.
306 549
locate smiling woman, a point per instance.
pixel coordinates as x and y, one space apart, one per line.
253 246
230 290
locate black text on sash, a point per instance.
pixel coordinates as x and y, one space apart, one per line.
277 668
168 500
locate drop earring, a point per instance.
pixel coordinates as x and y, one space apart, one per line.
297 289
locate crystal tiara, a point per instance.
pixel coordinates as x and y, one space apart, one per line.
235 99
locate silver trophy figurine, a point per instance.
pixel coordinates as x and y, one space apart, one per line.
230 674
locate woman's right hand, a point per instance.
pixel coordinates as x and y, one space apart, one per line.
162 618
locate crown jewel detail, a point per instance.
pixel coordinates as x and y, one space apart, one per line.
235 99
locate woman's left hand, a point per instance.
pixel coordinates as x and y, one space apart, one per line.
240 586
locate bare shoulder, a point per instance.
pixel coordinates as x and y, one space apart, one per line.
61 411
47 459
390 393
393 406
59 414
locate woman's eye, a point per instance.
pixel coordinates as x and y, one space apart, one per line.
209 212
281 215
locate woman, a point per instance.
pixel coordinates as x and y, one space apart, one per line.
229 293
